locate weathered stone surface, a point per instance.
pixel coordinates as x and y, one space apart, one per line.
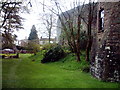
105 53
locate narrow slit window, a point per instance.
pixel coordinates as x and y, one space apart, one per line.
101 20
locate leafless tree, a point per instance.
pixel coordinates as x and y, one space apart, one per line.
48 21
89 23
69 26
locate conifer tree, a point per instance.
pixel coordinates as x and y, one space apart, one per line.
33 35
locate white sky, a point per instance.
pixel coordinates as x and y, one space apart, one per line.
35 17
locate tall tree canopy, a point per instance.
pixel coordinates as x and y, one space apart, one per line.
33 35
10 21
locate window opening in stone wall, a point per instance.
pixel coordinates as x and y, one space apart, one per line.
101 20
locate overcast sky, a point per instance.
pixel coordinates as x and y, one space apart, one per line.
36 14
35 17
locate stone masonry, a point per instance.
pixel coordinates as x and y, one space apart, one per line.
105 52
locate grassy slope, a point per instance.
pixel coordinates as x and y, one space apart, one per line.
23 73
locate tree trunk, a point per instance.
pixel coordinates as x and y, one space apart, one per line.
34 53
17 55
87 51
88 48
78 38
17 52
49 35
89 33
78 57
49 39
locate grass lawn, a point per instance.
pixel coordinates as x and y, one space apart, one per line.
24 73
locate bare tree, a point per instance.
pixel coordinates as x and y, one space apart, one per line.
70 27
89 23
48 22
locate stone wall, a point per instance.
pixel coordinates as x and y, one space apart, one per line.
105 53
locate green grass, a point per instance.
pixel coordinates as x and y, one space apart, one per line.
7 54
66 73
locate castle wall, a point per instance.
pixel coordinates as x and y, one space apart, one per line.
105 53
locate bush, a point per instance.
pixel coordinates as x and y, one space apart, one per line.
86 69
54 54
67 49
33 47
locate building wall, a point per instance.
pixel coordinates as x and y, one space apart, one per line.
105 53
46 40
